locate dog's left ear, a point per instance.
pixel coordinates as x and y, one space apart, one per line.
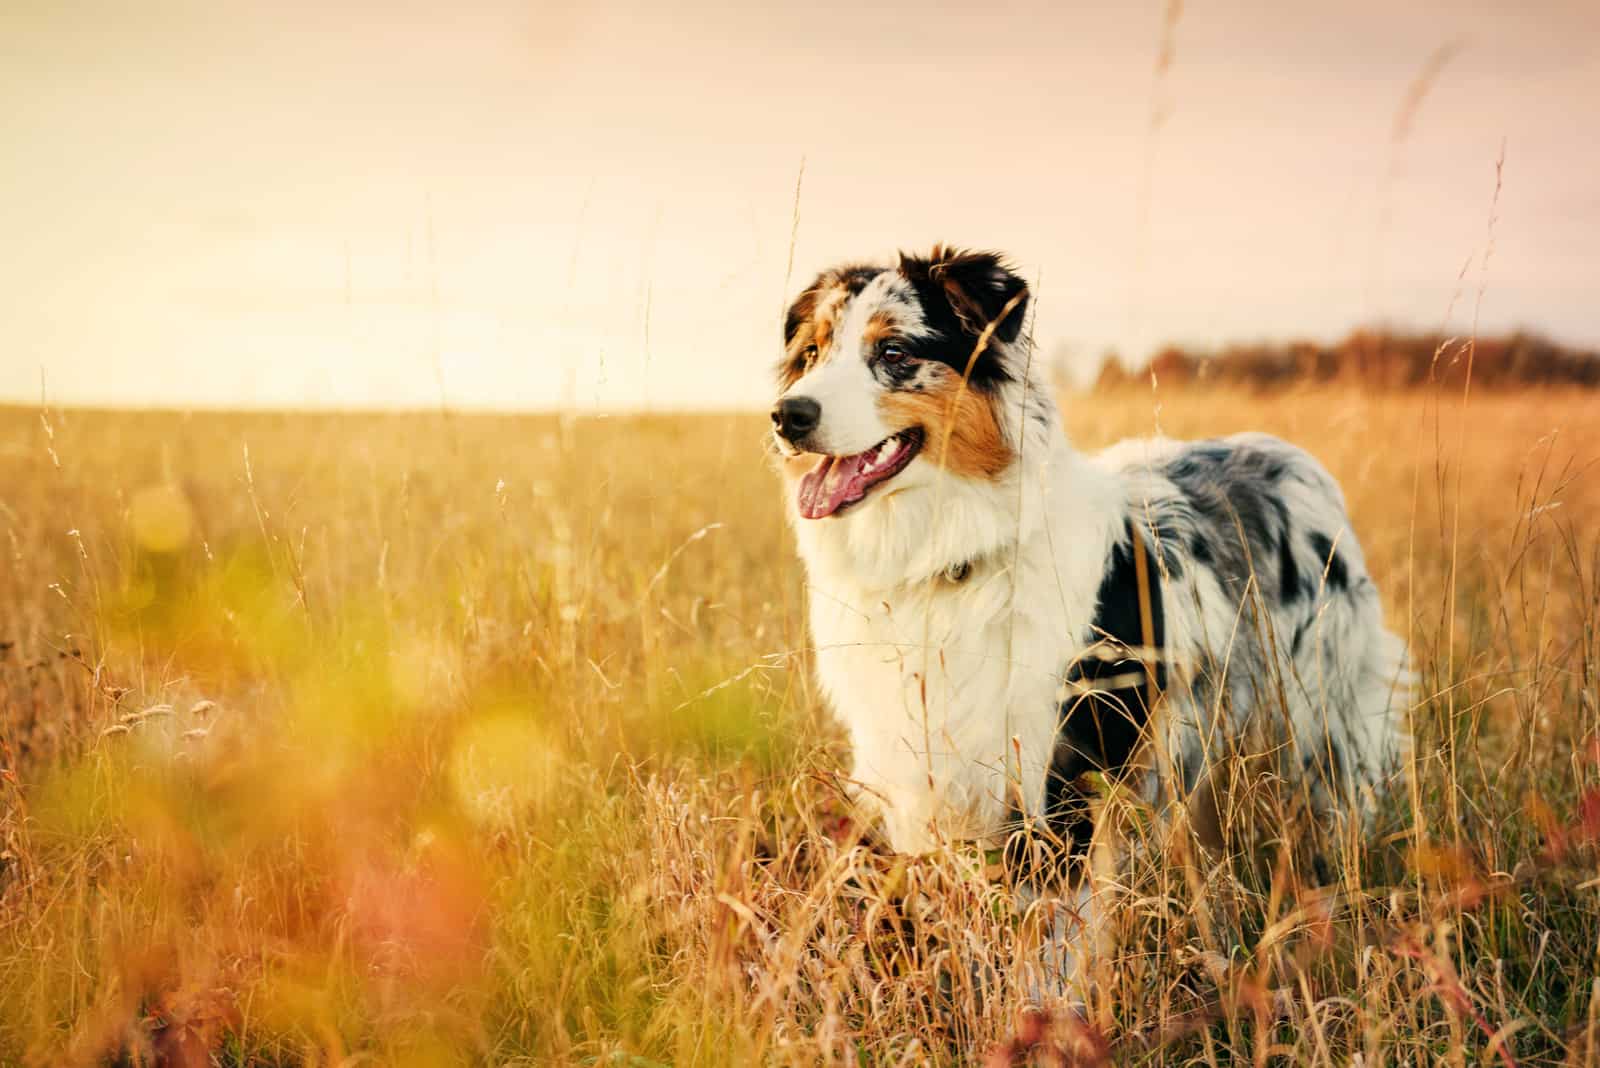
979 286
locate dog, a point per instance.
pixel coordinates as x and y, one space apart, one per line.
1005 625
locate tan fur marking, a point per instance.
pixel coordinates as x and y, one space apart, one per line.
822 333
977 448
818 308
882 325
826 318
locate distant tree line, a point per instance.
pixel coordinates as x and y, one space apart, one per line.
1372 358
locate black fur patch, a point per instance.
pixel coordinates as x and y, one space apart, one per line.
1289 588
1100 729
855 279
983 287
1234 489
1338 574
1200 459
901 375
1300 635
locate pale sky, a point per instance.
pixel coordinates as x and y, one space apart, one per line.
525 205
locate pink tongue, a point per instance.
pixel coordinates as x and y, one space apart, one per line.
832 484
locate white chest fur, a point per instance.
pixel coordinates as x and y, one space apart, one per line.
948 688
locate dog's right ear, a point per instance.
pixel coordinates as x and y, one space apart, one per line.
799 329
802 311
809 323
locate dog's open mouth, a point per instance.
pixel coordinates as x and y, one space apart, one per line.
840 481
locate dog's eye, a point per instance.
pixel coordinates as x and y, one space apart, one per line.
810 353
893 353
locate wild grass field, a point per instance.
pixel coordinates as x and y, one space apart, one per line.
437 739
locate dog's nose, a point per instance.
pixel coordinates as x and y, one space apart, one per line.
795 417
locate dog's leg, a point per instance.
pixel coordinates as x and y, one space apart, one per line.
1062 926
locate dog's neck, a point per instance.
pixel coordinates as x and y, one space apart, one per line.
946 533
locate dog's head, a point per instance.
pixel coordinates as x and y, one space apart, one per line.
890 374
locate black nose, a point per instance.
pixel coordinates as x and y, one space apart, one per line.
795 417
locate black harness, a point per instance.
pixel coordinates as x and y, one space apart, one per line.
1104 704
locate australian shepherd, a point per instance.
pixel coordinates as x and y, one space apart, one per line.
1010 628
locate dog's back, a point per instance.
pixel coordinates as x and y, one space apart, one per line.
1274 628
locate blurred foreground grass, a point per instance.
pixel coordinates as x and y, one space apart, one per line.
444 739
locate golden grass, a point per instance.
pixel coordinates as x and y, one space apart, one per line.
427 739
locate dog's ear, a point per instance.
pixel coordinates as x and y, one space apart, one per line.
979 287
798 328
801 311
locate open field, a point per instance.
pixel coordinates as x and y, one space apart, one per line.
441 739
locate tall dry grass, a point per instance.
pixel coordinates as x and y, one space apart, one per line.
439 739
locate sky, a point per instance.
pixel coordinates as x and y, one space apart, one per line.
526 206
